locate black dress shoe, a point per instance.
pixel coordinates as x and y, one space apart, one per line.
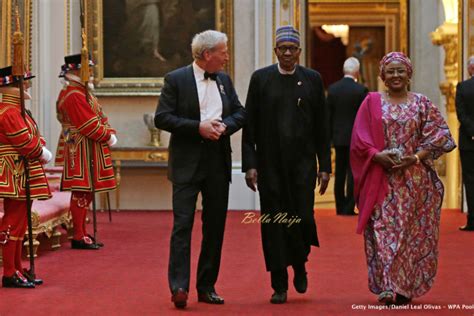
350 213
100 244
179 298
17 281
210 298
467 228
401 300
278 298
300 281
31 279
81 244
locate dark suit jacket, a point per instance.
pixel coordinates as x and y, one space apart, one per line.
465 112
178 112
344 99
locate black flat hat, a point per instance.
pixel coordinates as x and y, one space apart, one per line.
7 78
73 62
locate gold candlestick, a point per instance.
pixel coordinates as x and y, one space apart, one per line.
155 133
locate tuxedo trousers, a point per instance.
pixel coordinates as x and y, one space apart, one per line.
211 179
467 158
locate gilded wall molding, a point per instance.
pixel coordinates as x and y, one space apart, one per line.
449 36
353 1
403 16
225 22
7 29
274 26
286 12
67 27
297 14
4 31
470 27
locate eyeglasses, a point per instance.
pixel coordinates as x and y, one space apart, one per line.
283 49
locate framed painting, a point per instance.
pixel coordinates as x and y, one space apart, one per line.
7 27
136 42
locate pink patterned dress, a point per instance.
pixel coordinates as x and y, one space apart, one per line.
401 237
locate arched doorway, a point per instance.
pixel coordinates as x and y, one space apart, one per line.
373 28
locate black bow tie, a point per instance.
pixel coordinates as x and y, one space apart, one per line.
208 75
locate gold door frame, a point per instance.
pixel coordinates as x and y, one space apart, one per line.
391 14
469 27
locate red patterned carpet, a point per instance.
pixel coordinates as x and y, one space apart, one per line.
129 275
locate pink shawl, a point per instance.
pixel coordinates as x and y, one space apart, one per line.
370 181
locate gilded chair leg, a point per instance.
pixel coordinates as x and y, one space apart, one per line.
56 239
68 228
36 244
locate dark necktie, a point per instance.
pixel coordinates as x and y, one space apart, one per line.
208 75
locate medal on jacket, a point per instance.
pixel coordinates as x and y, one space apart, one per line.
221 87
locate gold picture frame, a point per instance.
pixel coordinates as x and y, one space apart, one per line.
128 69
7 27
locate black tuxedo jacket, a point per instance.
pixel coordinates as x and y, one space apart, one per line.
344 99
465 112
178 112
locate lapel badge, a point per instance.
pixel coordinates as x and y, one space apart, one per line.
300 83
221 87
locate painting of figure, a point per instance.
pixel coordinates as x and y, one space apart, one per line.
148 38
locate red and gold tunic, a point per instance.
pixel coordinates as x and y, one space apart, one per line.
84 128
17 140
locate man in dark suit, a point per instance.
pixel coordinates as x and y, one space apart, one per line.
344 98
200 108
465 112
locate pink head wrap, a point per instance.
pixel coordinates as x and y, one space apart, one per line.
397 57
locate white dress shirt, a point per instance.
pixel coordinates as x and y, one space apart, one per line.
210 102
350 76
285 72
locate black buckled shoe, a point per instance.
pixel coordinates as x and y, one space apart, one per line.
467 228
401 299
210 298
349 213
300 281
100 244
31 279
179 298
81 244
278 298
17 281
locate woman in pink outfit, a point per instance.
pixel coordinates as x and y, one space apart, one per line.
397 136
